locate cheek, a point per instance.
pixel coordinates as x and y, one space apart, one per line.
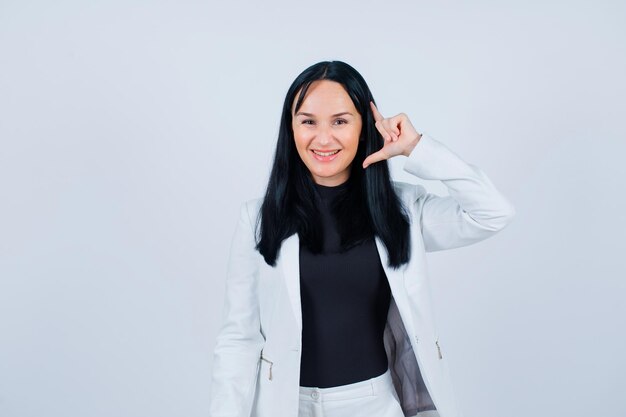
352 140
301 141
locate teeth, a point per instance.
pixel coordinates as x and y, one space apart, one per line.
326 153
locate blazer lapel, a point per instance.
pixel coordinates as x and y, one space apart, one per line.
289 263
398 291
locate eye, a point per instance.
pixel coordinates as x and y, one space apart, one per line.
306 122
343 121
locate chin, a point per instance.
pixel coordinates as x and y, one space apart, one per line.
325 171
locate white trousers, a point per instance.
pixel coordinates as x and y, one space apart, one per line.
374 397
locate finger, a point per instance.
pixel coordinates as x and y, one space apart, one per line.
379 125
375 157
388 124
393 126
395 122
375 112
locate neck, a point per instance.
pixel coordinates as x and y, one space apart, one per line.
330 191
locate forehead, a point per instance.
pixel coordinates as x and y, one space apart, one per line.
324 97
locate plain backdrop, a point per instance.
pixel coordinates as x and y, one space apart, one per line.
131 131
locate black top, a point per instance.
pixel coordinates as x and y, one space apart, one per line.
345 299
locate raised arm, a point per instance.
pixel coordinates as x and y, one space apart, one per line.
474 210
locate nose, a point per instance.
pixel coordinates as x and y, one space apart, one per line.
324 135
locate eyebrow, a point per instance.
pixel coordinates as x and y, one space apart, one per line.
300 113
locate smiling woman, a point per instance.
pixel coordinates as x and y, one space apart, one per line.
327 308
327 129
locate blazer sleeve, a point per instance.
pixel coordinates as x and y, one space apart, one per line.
239 342
474 209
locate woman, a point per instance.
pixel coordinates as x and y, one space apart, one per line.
327 309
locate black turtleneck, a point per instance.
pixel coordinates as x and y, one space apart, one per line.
345 299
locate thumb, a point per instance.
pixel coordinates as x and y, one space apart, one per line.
375 157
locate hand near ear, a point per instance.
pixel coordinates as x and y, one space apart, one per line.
399 134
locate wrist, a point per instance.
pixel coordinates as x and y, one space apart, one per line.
412 145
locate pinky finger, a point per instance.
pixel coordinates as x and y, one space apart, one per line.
383 132
392 129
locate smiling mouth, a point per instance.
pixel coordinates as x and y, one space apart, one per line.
325 153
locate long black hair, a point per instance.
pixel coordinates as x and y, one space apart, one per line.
370 205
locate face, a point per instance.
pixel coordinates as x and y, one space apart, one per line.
326 130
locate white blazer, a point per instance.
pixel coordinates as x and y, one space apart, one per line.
256 362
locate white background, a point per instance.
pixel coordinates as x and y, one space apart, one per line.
130 133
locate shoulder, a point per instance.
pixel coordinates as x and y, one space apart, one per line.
407 192
251 207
